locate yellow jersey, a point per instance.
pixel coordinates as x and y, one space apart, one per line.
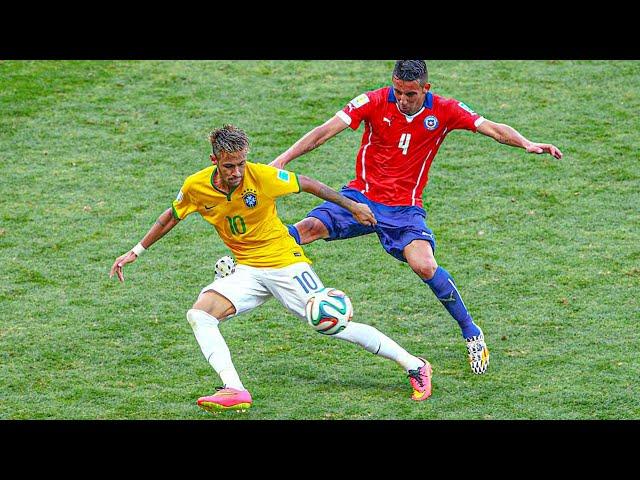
246 218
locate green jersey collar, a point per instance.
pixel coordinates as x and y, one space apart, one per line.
228 195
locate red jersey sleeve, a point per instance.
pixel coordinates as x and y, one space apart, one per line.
460 116
358 109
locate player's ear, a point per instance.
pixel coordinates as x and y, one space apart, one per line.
426 87
213 158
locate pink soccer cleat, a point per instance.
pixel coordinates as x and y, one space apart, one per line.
421 381
226 399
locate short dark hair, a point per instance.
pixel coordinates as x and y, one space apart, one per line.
410 70
228 139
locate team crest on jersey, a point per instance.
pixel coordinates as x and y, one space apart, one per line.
431 122
250 198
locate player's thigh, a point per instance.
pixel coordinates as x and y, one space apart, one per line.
292 286
215 304
243 290
404 234
338 222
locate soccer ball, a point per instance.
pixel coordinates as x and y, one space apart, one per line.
225 266
329 311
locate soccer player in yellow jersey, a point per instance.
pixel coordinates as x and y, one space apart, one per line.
238 198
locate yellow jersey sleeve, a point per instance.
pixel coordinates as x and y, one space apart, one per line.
275 182
183 205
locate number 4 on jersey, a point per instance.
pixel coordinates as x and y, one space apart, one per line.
404 142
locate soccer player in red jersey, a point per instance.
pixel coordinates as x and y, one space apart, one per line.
405 125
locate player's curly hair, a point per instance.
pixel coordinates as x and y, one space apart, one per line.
228 139
409 70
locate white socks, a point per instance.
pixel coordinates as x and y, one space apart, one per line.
213 346
215 350
376 342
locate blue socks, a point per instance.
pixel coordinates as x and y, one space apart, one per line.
293 231
445 289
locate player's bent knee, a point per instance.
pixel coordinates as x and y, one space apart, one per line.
311 229
197 317
191 318
426 269
419 256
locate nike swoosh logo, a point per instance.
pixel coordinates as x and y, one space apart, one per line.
209 208
417 395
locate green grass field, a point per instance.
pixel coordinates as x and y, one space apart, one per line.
546 253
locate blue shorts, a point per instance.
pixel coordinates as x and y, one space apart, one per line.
397 227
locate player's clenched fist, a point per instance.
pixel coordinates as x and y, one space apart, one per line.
363 214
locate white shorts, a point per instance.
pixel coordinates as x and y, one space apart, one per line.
249 287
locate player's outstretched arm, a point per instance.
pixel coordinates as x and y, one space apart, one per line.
510 136
311 140
166 221
360 211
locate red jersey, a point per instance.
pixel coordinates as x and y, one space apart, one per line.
392 166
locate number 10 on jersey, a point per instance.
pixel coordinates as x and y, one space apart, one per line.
237 225
404 142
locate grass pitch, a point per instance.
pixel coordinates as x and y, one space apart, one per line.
546 253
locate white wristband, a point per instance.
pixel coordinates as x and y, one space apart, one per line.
138 249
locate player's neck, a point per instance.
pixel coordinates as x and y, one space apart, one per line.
411 116
220 185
